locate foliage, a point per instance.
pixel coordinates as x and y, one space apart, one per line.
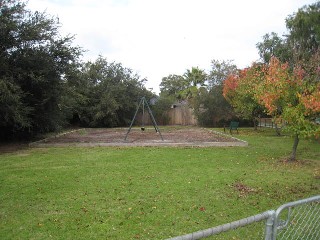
189 88
108 93
213 109
291 90
43 84
11 108
219 71
304 31
161 107
202 91
291 96
311 74
34 59
173 85
300 43
239 90
195 77
274 46
183 87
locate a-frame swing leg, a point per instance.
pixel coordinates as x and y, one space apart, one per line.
153 120
144 102
134 117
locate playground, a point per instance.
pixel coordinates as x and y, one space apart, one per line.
149 136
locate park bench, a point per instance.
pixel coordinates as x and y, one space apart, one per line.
233 126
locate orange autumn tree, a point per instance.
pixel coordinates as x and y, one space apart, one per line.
239 90
311 97
293 96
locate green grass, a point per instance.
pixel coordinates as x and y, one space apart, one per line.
149 193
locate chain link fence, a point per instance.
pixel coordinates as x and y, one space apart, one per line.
298 220
295 220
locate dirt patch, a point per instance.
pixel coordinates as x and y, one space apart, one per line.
189 136
12 147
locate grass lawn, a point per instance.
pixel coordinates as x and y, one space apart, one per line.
149 193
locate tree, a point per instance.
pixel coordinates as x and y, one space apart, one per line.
108 94
292 96
239 90
300 43
183 87
34 60
304 31
219 72
13 113
274 46
195 77
161 107
214 110
173 85
189 88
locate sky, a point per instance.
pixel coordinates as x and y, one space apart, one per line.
156 38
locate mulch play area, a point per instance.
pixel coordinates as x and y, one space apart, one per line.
172 136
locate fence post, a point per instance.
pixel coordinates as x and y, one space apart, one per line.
269 225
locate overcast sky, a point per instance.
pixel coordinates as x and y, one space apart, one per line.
156 38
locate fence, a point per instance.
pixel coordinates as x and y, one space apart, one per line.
270 123
295 220
181 114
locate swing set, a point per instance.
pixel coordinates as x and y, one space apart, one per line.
143 102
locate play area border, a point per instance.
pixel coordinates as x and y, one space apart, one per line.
150 143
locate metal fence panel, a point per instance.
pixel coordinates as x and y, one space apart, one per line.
252 227
295 220
298 220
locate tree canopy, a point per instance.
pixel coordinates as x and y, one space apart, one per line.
44 85
304 31
300 43
108 94
239 90
34 60
287 84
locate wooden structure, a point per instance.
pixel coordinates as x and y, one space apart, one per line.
181 114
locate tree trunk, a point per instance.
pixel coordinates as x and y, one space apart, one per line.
255 125
294 149
278 130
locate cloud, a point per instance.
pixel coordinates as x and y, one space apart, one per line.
161 37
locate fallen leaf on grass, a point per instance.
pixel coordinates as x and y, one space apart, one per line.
84 209
202 209
243 189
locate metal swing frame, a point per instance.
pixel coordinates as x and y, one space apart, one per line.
144 103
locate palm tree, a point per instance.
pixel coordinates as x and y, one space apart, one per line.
195 77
